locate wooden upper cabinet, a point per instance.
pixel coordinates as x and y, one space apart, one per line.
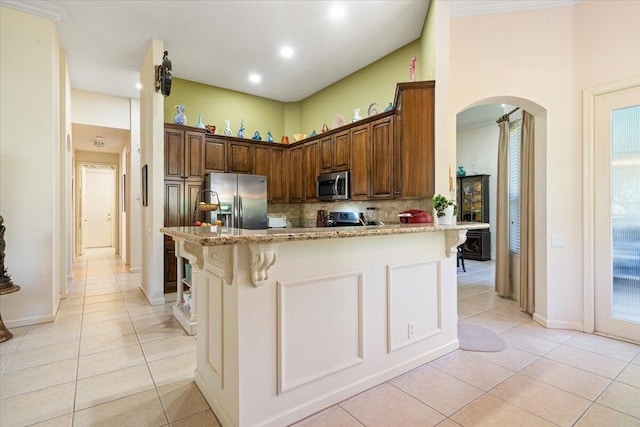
311 171
183 154
239 157
278 161
194 155
173 154
360 162
381 163
260 164
215 155
414 154
326 154
296 176
341 151
334 152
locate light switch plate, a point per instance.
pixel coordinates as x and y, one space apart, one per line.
557 241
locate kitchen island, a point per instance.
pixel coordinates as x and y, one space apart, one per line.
291 321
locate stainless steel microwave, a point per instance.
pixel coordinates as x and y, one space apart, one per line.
333 186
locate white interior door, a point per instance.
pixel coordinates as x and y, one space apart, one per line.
617 214
98 207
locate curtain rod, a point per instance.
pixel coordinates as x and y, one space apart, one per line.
506 116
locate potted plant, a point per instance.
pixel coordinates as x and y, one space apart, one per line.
445 209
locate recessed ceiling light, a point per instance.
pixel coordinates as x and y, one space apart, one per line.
337 11
286 51
254 78
138 85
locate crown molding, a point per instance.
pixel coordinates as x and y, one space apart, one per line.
486 7
37 8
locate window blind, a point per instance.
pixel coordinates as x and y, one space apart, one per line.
515 145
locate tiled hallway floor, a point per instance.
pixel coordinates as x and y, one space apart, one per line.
111 359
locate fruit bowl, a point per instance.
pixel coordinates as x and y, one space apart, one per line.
299 136
207 207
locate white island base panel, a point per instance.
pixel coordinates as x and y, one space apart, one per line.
287 329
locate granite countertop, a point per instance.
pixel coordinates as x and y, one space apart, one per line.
216 236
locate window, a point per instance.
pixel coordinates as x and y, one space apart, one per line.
515 145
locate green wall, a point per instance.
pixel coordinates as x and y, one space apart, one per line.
217 105
376 83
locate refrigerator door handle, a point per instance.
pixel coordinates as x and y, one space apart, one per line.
240 211
235 211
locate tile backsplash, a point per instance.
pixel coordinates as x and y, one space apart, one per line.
304 214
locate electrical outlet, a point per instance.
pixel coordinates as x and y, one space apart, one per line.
411 329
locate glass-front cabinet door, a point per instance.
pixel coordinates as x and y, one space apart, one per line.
473 198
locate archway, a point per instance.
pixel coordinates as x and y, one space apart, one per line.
540 179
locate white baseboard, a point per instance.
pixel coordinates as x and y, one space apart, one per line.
27 321
558 324
152 301
69 278
134 270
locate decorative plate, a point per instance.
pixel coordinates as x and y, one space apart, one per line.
338 121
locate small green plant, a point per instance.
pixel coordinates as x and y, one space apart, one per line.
440 203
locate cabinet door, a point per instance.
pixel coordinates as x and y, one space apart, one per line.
173 203
326 154
341 151
382 159
414 148
311 171
191 190
170 268
296 177
239 160
260 162
277 176
194 155
215 155
360 162
173 154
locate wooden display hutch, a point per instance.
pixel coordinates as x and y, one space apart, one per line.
473 205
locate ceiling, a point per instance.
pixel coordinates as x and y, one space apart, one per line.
221 42
85 135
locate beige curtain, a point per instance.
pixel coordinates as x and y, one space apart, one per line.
503 277
527 254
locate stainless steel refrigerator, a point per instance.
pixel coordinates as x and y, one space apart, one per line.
243 200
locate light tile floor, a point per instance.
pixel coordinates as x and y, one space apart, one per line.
110 359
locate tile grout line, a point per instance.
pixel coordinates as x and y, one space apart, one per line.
144 355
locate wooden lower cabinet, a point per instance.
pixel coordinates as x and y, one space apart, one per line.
180 199
478 245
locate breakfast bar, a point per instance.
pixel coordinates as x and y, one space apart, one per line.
291 321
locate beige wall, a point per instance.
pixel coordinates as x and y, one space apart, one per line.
30 165
544 59
90 108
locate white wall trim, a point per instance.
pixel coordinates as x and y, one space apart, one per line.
37 8
26 321
156 301
486 7
588 210
134 270
557 324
